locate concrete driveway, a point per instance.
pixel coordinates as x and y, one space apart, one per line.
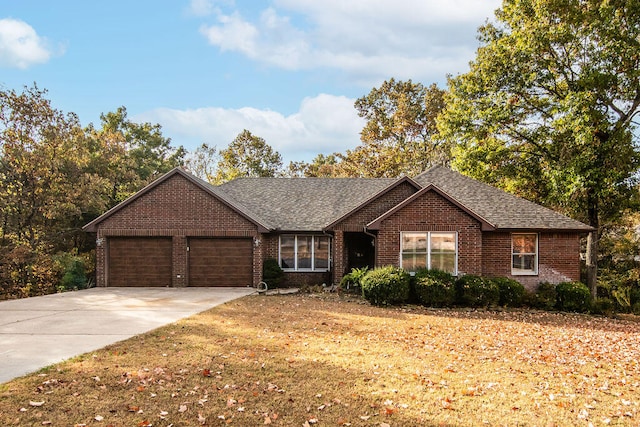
40 331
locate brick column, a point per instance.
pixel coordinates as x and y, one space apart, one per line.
259 248
180 256
101 260
338 256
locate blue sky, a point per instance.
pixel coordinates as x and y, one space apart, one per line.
287 70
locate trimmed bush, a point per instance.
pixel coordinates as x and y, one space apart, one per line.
545 296
573 296
386 286
272 274
511 291
435 288
474 291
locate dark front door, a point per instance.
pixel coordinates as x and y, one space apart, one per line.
361 251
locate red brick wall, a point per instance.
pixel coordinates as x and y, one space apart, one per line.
179 209
558 258
357 220
432 212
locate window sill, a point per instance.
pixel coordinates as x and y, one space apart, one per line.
524 273
291 270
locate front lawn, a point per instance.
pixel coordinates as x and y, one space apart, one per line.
330 361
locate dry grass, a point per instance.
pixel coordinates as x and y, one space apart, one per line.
327 360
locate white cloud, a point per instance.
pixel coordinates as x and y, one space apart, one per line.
368 39
323 124
272 39
20 45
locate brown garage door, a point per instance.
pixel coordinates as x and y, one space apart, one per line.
220 262
139 261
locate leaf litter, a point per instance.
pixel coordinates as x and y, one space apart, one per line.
330 360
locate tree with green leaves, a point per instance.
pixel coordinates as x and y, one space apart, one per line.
151 152
44 190
248 156
399 134
42 178
547 107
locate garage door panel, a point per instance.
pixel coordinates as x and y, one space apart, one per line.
140 261
220 262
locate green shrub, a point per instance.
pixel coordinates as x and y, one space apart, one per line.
435 288
72 271
573 296
353 279
635 308
545 296
272 274
604 306
474 291
386 286
511 291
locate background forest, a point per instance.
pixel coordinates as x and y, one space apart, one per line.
546 111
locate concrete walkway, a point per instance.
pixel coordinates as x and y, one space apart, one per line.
40 331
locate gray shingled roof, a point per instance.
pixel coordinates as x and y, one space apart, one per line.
500 209
302 204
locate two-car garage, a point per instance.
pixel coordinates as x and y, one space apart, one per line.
148 261
178 231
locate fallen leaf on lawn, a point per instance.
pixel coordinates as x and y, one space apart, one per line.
446 403
182 408
267 420
201 418
365 417
36 404
99 418
206 372
389 411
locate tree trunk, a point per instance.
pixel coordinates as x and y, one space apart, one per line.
592 262
592 250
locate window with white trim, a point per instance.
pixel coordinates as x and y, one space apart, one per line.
304 252
430 249
524 254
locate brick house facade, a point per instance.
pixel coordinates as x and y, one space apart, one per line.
180 231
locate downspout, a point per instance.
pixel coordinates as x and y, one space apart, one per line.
374 237
332 240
